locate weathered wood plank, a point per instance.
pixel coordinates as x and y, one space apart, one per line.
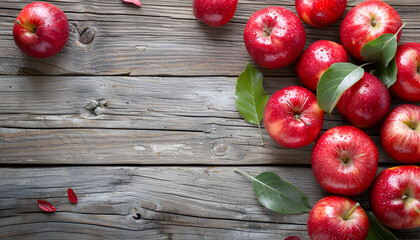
153 40
150 203
137 120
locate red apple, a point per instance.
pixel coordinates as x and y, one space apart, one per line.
407 86
320 13
336 217
292 117
316 59
400 133
41 30
365 22
366 103
345 160
214 13
274 37
395 197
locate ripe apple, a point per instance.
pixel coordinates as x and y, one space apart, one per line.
395 197
365 22
320 13
41 29
316 59
292 117
400 133
365 103
345 160
336 217
407 86
214 13
274 37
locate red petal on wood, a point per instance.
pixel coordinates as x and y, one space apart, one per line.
137 2
46 206
72 196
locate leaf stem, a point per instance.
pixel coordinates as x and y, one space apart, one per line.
262 141
352 210
243 173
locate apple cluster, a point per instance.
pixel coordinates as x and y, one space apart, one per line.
344 159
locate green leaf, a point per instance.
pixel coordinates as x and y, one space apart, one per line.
250 96
388 75
334 82
278 195
377 230
380 50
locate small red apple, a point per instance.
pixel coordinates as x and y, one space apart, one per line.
365 22
336 217
292 117
274 37
316 59
320 13
345 160
400 133
395 197
407 86
214 13
41 29
366 103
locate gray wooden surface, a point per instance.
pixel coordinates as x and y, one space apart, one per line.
137 115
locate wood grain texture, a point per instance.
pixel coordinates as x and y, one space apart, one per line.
138 120
158 39
150 203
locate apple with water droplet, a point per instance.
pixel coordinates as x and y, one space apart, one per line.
320 13
41 30
365 22
292 117
316 59
336 217
400 133
407 86
345 160
366 103
214 13
395 197
274 37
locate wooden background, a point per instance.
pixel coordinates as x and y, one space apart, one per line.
137 115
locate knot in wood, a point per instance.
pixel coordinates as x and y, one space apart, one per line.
94 108
87 35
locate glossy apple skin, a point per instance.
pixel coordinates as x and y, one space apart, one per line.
214 13
400 133
52 30
320 13
407 86
326 220
366 103
387 197
316 59
292 117
274 37
357 28
333 148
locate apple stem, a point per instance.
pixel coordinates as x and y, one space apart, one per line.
416 209
413 123
404 197
20 24
352 210
373 22
302 120
344 158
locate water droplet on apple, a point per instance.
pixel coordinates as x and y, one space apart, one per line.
254 34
